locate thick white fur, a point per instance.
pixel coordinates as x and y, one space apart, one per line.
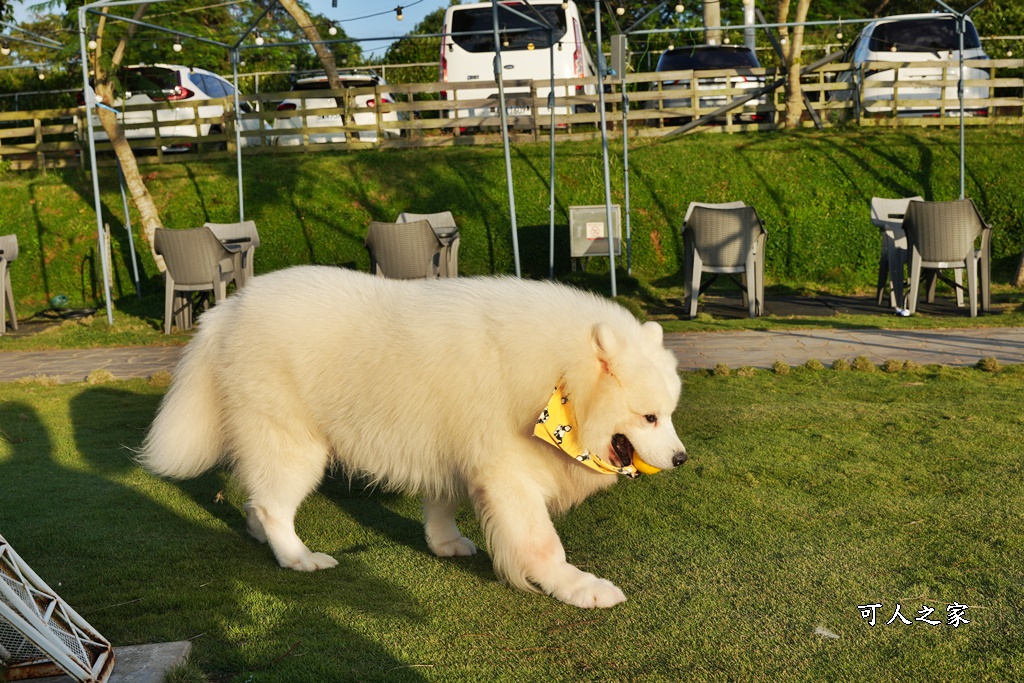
428 387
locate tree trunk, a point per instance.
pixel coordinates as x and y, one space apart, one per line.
792 53
323 53
104 89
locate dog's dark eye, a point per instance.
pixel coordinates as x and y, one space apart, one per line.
651 418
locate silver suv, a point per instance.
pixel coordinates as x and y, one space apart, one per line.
917 39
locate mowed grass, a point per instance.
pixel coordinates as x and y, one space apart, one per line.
807 494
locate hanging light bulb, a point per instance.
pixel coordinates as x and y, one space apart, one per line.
565 5
726 41
5 48
92 43
1009 53
398 13
42 75
671 47
620 10
332 29
259 38
679 9
177 44
839 32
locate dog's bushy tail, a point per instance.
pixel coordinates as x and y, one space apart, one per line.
186 438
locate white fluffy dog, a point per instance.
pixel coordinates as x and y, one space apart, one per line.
434 388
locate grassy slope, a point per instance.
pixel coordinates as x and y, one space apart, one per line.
811 189
792 511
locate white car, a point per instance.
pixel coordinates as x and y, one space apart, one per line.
305 106
702 58
915 38
180 85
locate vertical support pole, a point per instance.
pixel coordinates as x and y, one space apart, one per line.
90 104
504 136
602 70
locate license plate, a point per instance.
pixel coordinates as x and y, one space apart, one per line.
329 117
517 111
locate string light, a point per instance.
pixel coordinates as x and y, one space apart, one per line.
398 13
259 38
177 44
92 43
5 48
620 10
679 9
332 29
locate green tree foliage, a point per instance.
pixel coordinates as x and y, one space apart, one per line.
410 50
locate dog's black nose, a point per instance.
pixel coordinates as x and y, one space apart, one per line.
678 459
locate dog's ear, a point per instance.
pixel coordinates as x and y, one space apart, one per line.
653 333
606 343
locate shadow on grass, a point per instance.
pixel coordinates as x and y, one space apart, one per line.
145 563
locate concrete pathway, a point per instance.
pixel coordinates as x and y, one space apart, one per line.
695 350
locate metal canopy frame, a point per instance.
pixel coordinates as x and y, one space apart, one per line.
97 8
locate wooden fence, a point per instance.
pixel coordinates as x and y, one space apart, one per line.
427 114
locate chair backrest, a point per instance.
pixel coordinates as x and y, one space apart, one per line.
192 256
235 231
724 205
9 247
443 222
943 231
404 250
882 209
723 236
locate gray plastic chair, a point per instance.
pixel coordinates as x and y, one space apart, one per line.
8 252
240 239
724 238
447 232
404 251
942 235
196 261
887 215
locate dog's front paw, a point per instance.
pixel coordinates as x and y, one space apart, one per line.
457 547
309 562
593 593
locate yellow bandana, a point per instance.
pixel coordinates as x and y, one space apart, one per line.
557 426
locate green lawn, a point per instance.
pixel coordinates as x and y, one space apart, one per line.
807 495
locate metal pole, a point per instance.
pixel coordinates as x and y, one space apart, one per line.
625 158
960 21
602 69
90 103
504 136
551 112
238 135
128 227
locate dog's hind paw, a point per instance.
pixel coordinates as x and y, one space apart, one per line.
594 593
457 547
309 562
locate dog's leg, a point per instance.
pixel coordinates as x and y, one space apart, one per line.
443 537
527 550
279 471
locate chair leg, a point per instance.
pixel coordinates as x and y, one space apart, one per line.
972 284
897 266
915 281
168 302
883 271
958 278
4 289
694 294
750 278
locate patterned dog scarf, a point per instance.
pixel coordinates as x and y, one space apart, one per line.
557 426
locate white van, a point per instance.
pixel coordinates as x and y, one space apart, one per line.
916 38
468 50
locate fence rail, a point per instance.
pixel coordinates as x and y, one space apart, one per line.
442 114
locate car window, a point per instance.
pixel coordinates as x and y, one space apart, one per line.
151 81
536 37
697 58
345 83
927 34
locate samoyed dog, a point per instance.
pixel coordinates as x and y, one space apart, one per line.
521 397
